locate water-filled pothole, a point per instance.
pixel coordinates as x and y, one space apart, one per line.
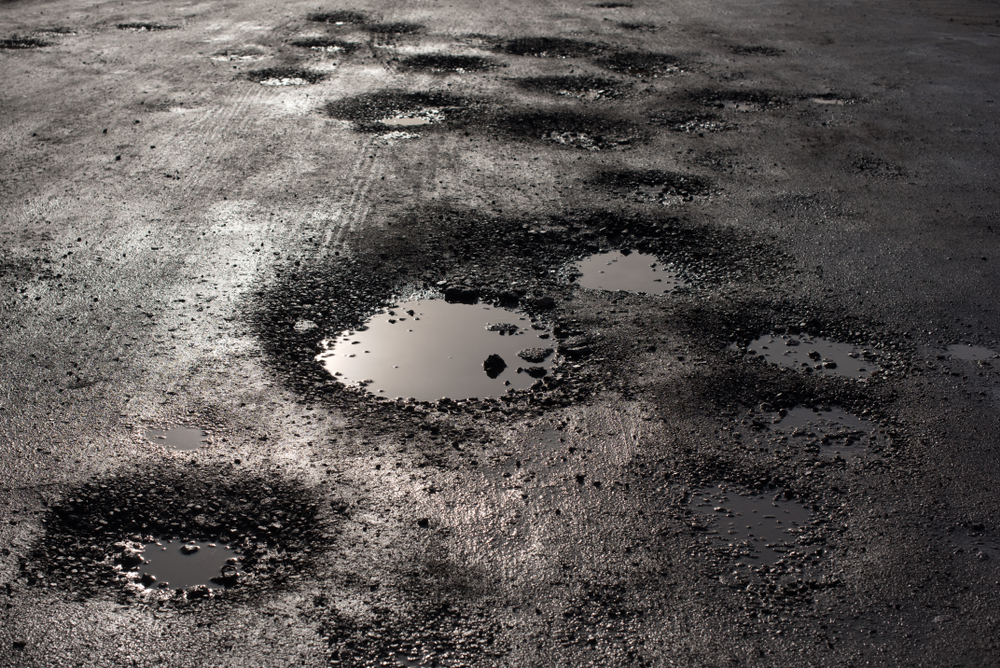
813 354
962 351
626 271
285 76
428 349
759 526
833 431
178 564
179 438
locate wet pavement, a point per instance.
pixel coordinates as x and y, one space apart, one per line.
705 370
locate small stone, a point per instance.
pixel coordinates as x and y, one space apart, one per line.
814 355
148 580
190 548
535 355
461 294
494 366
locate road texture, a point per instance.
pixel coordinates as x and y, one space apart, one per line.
196 194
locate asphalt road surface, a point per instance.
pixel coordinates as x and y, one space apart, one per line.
785 457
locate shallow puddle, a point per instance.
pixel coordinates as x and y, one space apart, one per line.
961 351
428 349
179 438
756 522
180 564
815 354
626 271
835 431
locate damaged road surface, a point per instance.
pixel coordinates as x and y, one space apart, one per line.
403 334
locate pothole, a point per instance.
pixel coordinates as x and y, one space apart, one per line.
180 564
179 438
638 27
638 64
582 87
739 100
23 43
145 27
339 18
549 47
813 354
655 184
379 112
446 64
581 131
398 28
285 76
962 351
94 536
687 121
765 51
831 432
759 527
429 348
327 45
626 271
245 54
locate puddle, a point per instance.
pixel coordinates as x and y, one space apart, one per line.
626 271
813 354
428 349
285 76
756 522
961 351
446 64
23 43
178 564
179 438
834 431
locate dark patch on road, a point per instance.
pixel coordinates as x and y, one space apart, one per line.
874 166
285 76
23 43
653 182
398 28
638 27
441 63
639 64
549 47
145 27
273 521
327 44
689 121
573 86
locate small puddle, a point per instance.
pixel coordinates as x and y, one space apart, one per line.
626 271
178 564
179 438
961 351
428 349
836 431
756 522
815 354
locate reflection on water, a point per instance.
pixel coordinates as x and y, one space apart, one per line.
815 354
179 438
428 349
626 271
179 564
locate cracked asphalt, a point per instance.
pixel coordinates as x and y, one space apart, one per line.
789 458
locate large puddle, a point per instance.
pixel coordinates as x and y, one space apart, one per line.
177 564
814 354
428 349
757 524
834 431
626 271
179 438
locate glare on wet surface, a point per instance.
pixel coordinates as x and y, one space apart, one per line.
961 351
624 271
176 564
816 354
179 438
428 349
757 522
